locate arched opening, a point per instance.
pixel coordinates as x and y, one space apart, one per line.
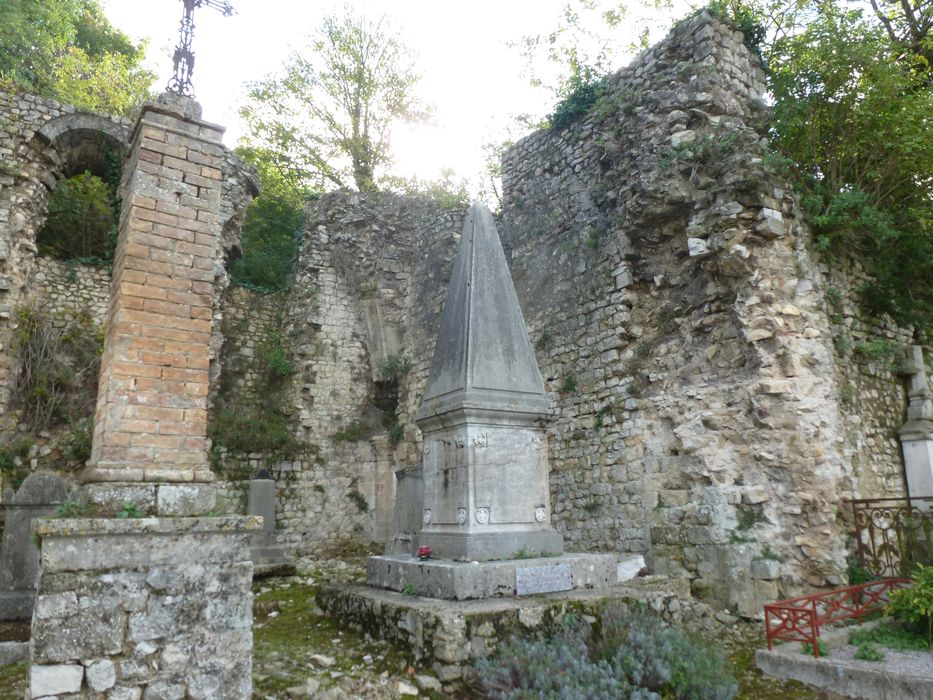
84 207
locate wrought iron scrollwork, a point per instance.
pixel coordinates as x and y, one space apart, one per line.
180 83
893 534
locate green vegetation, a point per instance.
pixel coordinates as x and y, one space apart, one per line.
545 342
359 500
325 121
72 509
351 433
853 91
68 50
250 424
569 385
129 510
56 381
288 625
82 221
14 462
888 635
748 516
807 648
578 95
626 654
868 652
394 367
913 606
857 573
14 681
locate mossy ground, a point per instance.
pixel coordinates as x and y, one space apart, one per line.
13 681
740 645
289 628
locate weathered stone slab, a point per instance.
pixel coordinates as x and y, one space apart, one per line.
19 555
449 635
454 580
543 579
113 591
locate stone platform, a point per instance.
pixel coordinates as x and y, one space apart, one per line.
454 580
450 635
156 604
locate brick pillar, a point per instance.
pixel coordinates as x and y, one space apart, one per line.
151 420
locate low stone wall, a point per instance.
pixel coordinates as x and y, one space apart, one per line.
143 607
451 636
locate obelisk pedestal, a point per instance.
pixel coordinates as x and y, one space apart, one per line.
485 494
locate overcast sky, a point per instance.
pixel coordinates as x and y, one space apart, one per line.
474 80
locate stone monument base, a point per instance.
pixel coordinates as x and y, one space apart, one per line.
493 546
450 635
156 604
162 499
269 558
454 580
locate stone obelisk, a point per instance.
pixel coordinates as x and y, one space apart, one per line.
483 416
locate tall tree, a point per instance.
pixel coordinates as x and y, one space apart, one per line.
326 120
68 50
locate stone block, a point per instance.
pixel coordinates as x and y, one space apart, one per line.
19 556
185 500
463 580
55 680
101 675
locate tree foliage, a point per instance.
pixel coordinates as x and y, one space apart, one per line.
853 99
272 228
81 222
68 50
325 121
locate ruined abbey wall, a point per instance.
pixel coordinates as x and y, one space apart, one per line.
719 392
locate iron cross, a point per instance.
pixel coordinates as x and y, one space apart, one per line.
180 83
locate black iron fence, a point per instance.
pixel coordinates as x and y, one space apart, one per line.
892 535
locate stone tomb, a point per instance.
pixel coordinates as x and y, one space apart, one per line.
917 433
483 488
19 555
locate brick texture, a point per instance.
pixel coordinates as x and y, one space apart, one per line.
151 420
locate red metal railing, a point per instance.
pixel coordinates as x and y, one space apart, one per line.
799 619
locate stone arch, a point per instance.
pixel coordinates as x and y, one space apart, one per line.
76 142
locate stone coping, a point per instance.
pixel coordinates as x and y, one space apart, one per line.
902 676
95 527
454 580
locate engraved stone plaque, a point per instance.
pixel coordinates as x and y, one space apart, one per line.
542 579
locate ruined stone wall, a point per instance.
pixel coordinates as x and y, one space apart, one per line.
872 393
42 141
347 314
70 290
682 322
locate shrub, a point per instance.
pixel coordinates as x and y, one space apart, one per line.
393 367
869 652
81 222
913 605
270 238
580 93
551 668
626 655
56 381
